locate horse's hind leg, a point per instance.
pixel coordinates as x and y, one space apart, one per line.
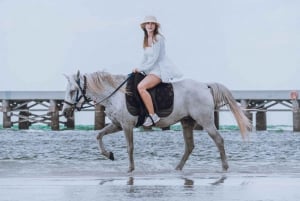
218 139
109 129
187 125
130 146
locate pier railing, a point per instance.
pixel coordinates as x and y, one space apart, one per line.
29 107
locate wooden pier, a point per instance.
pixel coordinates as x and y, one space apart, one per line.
31 107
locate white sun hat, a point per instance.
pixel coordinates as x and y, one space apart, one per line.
150 18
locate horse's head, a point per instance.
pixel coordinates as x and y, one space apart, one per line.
75 95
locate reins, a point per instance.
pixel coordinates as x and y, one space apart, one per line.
86 99
104 99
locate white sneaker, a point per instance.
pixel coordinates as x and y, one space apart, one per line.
148 122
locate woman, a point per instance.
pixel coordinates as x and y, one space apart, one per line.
155 65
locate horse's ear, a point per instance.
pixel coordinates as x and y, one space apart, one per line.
67 77
78 74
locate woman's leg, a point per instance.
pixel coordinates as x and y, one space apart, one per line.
148 82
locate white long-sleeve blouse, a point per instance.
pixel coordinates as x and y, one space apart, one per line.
156 62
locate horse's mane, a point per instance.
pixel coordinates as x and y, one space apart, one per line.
101 80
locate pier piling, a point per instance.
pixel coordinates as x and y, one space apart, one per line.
23 116
70 123
296 111
54 112
99 117
6 114
261 121
296 121
217 119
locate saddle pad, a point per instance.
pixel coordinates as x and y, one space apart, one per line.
162 97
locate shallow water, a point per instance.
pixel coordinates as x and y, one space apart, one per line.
67 165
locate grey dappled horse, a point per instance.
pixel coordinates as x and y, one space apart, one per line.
194 102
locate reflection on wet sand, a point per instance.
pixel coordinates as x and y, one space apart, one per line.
220 180
153 188
130 181
188 183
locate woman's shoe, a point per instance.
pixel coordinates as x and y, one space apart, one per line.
151 119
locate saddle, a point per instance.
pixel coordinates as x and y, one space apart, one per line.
162 97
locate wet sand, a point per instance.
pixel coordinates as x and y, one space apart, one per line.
178 186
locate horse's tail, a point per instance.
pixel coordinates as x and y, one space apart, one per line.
222 96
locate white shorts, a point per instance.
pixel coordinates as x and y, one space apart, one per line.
156 72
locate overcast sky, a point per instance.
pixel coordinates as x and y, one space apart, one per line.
243 44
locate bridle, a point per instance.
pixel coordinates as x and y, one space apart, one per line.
82 92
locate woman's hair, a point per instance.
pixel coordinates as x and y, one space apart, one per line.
155 33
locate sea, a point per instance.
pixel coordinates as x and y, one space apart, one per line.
40 164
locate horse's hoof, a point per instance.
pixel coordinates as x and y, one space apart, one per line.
130 170
225 168
111 156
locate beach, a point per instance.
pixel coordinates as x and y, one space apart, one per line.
66 165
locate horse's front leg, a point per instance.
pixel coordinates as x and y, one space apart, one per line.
109 129
129 139
187 125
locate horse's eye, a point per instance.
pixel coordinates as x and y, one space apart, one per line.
72 93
